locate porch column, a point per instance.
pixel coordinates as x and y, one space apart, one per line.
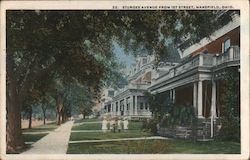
144 108
213 107
201 60
173 95
125 106
200 103
115 111
136 110
213 100
119 108
112 109
131 105
195 97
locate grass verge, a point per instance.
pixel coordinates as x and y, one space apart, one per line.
87 120
108 135
155 147
88 126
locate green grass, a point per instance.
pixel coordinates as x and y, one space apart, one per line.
171 146
41 128
210 147
107 135
88 120
33 137
122 147
88 126
135 125
155 146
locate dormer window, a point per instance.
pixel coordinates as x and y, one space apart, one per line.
226 45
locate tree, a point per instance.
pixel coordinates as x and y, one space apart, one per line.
77 45
80 100
231 111
159 105
46 102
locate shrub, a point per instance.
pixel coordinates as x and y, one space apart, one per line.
182 115
230 129
150 125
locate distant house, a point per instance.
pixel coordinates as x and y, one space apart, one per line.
130 101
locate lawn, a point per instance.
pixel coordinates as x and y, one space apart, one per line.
133 125
33 137
134 131
108 135
42 128
210 147
87 120
171 146
154 147
88 126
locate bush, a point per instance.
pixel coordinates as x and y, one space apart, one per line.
181 115
150 125
230 129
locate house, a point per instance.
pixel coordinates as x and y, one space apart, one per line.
196 80
130 101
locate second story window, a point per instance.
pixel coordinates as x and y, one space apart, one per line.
144 61
226 45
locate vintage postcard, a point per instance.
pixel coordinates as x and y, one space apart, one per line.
124 79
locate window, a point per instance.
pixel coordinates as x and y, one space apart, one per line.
144 61
205 51
226 45
111 93
141 106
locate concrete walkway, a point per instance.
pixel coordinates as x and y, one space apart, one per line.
55 142
119 139
81 123
39 132
86 131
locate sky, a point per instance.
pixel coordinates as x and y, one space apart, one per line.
121 56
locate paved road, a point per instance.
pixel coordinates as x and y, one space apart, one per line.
119 139
55 142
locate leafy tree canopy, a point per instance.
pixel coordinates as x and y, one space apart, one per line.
76 47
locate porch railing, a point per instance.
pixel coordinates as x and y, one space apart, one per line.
232 54
202 59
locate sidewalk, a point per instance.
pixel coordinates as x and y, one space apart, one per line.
119 139
81 123
55 142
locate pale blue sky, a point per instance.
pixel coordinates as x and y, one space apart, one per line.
128 59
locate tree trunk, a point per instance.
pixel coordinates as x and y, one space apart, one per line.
44 118
14 133
63 116
59 107
44 114
30 116
58 118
